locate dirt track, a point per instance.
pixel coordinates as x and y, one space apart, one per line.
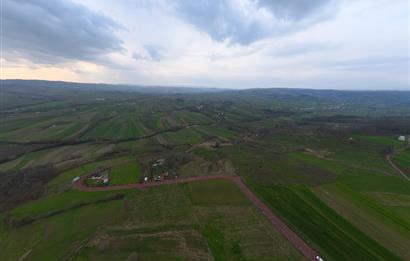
394 166
306 250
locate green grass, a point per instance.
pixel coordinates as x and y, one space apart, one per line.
367 182
383 140
54 238
216 192
63 181
216 241
175 243
218 131
402 159
162 223
209 154
274 168
373 213
125 173
319 162
186 136
333 236
54 203
124 125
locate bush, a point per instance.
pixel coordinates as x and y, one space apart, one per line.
17 187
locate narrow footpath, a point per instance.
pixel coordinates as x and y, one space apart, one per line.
304 248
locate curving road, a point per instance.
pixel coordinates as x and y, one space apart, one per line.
297 242
396 168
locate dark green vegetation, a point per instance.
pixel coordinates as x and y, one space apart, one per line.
317 158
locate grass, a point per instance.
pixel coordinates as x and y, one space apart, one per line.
176 243
331 234
221 132
63 181
186 136
402 159
125 174
124 125
215 240
373 214
209 154
216 192
274 168
54 238
57 202
368 181
383 140
162 223
339 197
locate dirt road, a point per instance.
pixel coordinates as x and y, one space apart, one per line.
394 166
304 248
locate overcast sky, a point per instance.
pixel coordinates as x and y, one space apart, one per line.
336 44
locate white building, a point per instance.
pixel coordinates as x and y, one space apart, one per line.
402 138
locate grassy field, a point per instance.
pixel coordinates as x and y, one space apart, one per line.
216 192
172 221
373 213
57 202
187 136
125 173
390 141
333 236
402 159
316 157
64 180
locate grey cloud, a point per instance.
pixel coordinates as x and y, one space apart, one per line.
219 19
226 19
47 31
293 10
152 52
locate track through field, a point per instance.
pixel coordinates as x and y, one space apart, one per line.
297 242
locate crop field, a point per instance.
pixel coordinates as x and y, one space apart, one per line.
374 213
333 235
187 136
391 141
125 173
168 217
215 192
318 160
402 160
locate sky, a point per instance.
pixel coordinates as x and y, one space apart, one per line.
323 44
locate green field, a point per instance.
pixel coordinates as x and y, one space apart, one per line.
125 174
316 158
216 192
334 236
153 224
402 159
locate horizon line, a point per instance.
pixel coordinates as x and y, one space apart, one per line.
206 87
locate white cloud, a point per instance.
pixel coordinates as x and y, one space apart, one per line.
322 44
